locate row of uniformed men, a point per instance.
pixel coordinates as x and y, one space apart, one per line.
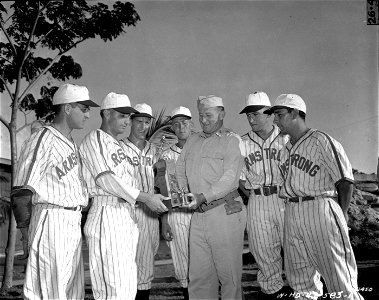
49 172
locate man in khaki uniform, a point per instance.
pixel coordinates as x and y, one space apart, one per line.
209 167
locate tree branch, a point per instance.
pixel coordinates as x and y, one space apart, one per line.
6 124
6 87
27 52
9 39
34 81
58 56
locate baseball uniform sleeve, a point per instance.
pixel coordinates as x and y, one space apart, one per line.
335 160
98 160
232 165
33 161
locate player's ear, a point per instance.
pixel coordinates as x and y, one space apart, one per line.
106 113
67 109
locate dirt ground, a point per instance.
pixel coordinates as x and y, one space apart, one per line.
165 286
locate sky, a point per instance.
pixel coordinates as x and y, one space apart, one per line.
321 50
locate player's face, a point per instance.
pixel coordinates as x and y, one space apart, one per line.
211 119
118 122
78 115
140 127
182 127
283 119
257 120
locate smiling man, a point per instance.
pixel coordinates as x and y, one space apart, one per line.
318 185
261 177
111 227
144 155
209 167
49 178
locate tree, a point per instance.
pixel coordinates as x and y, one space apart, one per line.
55 27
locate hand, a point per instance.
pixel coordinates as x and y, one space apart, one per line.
196 200
154 202
166 231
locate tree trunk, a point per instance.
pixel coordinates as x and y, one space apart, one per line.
12 230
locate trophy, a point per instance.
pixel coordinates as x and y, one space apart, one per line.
168 184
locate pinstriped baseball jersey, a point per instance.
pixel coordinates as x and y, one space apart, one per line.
265 214
110 229
317 240
103 154
148 223
50 166
179 221
261 158
314 166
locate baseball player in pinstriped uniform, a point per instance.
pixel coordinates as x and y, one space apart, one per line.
318 184
49 174
143 155
261 149
176 224
111 228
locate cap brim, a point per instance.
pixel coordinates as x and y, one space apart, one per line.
273 109
88 103
125 110
137 114
180 115
251 108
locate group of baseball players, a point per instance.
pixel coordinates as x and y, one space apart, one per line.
298 182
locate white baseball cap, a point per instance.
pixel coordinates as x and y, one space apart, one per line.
118 102
72 93
288 100
209 101
255 102
143 110
181 111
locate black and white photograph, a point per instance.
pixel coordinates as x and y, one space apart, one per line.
189 149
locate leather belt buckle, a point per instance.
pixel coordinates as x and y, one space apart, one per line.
200 208
266 190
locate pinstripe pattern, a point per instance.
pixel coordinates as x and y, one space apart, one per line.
50 166
316 242
110 229
316 233
112 238
265 214
55 265
179 221
314 167
148 223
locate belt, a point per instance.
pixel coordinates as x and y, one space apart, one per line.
54 206
205 207
266 190
76 208
300 199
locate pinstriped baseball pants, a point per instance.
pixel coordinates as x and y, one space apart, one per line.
148 243
55 264
265 222
316 242
179 222
112 236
